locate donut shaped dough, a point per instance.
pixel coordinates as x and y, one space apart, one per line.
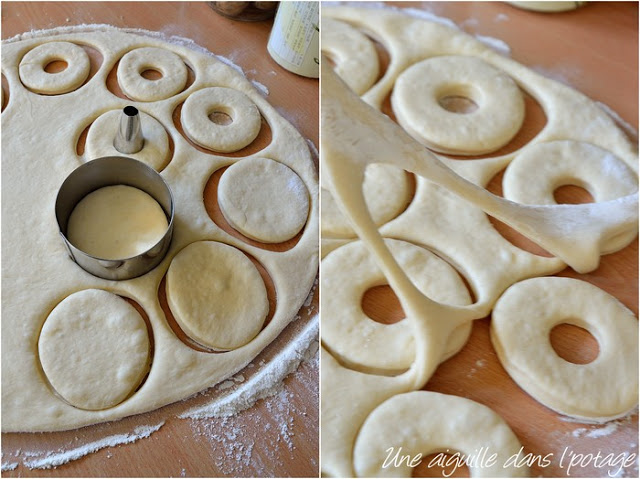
137 87
216 295
201 130
263 199
532 177
599 391
354 55
387 191
35 78
116 222
419 89
425 422
364 344
94 349
102 132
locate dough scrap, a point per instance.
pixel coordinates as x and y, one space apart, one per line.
425 422
419 90
363 343
116 222
94 349
35 280
34 76
136 62
201 130
263 199
208 284
102 132
353 53
599 391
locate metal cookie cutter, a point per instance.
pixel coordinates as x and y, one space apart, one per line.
108 171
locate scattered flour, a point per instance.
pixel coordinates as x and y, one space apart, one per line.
495 44
53 459
481 363
501 17
260 87
8 466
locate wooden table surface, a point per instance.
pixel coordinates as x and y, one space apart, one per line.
279 435
595 50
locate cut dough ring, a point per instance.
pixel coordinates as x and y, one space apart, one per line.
598 391
425 422
534 174
416 103
135 62
369 346
224 138
33 64
353 53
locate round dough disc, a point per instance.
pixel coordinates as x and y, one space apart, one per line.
104 129
216 295
94 349
263 199
419 90
116 222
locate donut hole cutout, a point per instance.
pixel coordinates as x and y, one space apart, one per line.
210 198
56 66
5 92
507 232
572 194
258 144
220 118
442 464
381 305
535 119
150 356
148 74
574 344
191 343
151 74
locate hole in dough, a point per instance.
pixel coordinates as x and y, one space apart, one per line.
151 74
193 344
382 305
260 143
443 464
458 104
572 195
113 87
210 198
220 118
5 95
574 344
56 66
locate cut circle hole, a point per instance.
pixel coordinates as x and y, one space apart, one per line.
572 195
574 344
458 104
56 66
220 118
382 305
151 74
441 464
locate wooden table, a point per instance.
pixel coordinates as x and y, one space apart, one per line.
595 50
279 435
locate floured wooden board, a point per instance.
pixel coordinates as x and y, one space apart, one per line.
261 453
563 47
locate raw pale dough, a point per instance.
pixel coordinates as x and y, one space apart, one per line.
599 391
37 272
102 132
425 422
354 55
136 62
448 217
387 191
34 76
208 284
419 91
116 222
244 126
263 199
94 349
368 345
